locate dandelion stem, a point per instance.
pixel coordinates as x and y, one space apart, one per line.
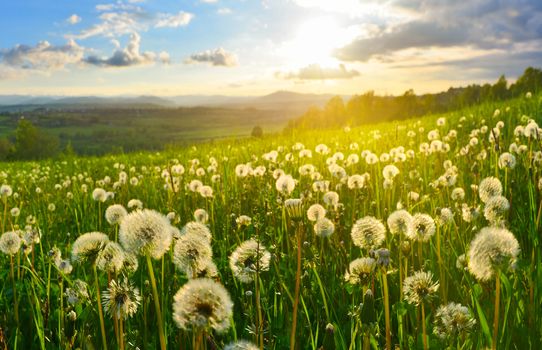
121 334
386 308
14 291
156 304
424 338
497 304
297 286
100 312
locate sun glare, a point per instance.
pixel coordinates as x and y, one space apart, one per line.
314 42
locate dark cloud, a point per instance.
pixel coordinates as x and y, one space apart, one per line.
129 56
482 24
217 57
317 72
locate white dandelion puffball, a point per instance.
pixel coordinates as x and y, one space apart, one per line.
421 228
316 212
115 213
87 246
489 187
202 304
368 233
491 249
419 287
399 221
10 243
247 259
241 345
145 232
324 227
285 184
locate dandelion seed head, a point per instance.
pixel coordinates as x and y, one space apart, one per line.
111 258
398 221
121 299
197 229
324 227
315 212
368 233
191 253
360 271
202 304
453 321
247 259
421 228
87 246
115 213
496 207
419 287
145 232
201 216
489 187
241 345
491 249
294 208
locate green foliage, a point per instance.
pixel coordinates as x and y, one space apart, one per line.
369 108
257 131
33 143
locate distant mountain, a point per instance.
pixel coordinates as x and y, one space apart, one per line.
291 101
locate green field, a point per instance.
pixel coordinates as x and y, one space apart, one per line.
350 182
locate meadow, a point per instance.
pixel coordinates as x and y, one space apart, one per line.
418 234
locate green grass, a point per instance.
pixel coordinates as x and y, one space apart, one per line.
330 315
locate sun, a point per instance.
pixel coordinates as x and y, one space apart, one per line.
314 42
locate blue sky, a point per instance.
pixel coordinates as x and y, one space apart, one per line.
253 47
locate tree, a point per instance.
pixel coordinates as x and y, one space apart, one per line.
257 131
6 148
32 143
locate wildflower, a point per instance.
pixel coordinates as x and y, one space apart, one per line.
115 213
316 212
145 232
5 191
99 195
331 198
360 271
368 232
111 258
419 287
285 184
324 227
421 228
241 345
78 293
507 160
398 221
247 259
190 254
356 182
87 246
201 216
243 220
121 299
135 204
294 208
495 208
197 229
452 321
492 249
202 304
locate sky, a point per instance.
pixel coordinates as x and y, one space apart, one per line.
256 47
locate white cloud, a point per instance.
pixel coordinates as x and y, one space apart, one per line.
43 56
209 1
224 11
164 57
317 72
174 21
114 24
129 56
73 19
217 57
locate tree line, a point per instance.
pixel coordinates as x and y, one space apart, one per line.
370 108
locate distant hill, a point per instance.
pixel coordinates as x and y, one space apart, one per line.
280 100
